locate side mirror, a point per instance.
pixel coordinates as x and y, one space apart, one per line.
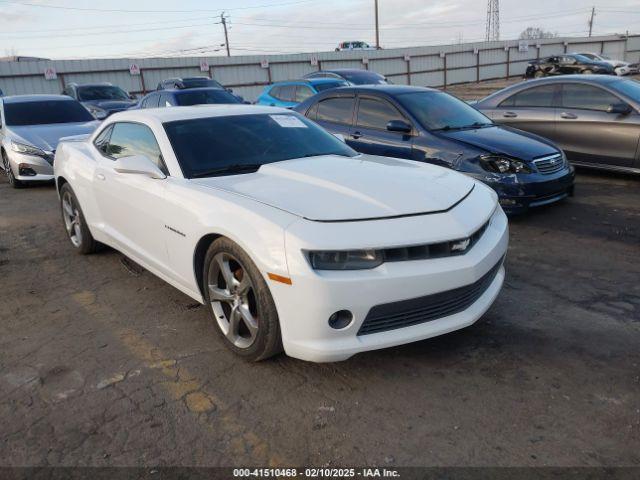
230 90
340 137
399 126
139 165
619 108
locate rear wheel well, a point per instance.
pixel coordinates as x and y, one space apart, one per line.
199 255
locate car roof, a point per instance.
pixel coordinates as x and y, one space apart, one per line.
599 79
36 98
349 70
186 90
201 111
388 89
321 80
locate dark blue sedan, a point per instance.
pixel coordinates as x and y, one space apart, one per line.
428 125
187 97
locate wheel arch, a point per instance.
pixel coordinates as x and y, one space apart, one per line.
199 254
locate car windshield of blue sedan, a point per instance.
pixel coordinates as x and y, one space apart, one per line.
45 113
440 111
630 88
201 97
101 92
364 78
329 85
227 145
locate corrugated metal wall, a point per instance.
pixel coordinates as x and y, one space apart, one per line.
425 66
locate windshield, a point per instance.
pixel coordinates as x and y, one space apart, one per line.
199 82
441 111
45 112
329 85
101 92
363 78
583 59
201 97
630 88
219 145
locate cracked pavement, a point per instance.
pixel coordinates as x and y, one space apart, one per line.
102 364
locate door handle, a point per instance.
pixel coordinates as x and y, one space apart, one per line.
100 176
569 116
509 115
356 135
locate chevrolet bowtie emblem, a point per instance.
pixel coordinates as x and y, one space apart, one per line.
460 245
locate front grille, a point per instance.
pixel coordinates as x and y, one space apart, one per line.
434 250
550 164
406 313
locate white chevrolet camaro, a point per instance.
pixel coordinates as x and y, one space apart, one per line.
290 238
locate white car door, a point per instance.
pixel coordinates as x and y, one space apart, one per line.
131 205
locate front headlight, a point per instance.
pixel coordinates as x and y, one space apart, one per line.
26 149
97 112
504 165
345 259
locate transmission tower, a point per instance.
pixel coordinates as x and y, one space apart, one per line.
493 20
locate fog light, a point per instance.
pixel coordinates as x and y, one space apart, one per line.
341 319
507 202
25 170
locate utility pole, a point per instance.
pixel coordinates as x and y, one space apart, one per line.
226 34
493 21
593 14
377 28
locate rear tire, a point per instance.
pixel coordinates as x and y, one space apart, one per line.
240 302
74 222
15 183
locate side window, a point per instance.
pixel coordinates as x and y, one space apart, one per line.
129 139
312 113
275 92
286 93
165 100
102 140
376 113
336 110
151 101
586 97
532 97
302 93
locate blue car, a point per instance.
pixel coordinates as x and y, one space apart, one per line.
187 97
291 93
431 126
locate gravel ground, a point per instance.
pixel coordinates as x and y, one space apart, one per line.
104 364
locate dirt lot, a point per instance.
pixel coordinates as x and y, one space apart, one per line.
101 364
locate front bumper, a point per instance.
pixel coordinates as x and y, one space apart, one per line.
30 168
518 193
304 307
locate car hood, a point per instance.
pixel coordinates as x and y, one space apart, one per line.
46 137
500 140
335 188
110 104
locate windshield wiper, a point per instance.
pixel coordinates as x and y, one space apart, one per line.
236 168
463 127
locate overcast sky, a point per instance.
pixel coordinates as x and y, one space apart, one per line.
136 28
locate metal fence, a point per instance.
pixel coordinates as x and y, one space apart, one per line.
437 66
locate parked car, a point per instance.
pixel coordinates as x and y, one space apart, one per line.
354 45
31 127
182 98
594 119
354 76
431 126
567 64
101 99
194 82
288 236
621 67
291 93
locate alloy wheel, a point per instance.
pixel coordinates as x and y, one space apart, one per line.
7 169
233 300
71 216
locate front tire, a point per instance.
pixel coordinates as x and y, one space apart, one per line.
75 223
15 183
240 301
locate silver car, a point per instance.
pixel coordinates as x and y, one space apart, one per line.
31 127
595 119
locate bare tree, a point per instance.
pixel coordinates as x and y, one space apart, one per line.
533 33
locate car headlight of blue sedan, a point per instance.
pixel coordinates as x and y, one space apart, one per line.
499 164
